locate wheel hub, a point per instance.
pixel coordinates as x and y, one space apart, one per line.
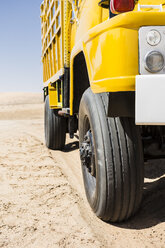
87 153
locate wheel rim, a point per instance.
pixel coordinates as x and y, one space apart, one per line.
87 156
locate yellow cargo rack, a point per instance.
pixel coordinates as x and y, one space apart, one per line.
55 33
52 39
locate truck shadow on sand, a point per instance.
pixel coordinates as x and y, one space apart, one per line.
152 210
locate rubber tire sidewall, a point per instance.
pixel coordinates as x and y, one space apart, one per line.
88 108
55 128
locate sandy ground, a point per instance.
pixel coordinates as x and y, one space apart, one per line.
42 200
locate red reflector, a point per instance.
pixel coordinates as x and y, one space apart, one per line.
119 6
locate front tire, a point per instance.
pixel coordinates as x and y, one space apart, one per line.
112 160
55 128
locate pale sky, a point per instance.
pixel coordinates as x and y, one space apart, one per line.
20 46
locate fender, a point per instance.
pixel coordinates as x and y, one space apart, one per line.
111 52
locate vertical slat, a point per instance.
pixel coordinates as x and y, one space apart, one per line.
67 28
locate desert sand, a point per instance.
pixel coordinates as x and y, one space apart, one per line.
42 199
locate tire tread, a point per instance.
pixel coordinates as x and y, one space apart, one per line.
129 198
55 128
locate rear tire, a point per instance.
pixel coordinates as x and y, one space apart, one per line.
55 128
112 160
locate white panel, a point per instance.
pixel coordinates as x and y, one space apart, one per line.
150 100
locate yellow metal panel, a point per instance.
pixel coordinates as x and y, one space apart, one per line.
105 14
150 2
115 84
112 54
89 15
55 96
52 97
71 87
111 48
111 51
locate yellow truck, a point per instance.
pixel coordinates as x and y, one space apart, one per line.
104 76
